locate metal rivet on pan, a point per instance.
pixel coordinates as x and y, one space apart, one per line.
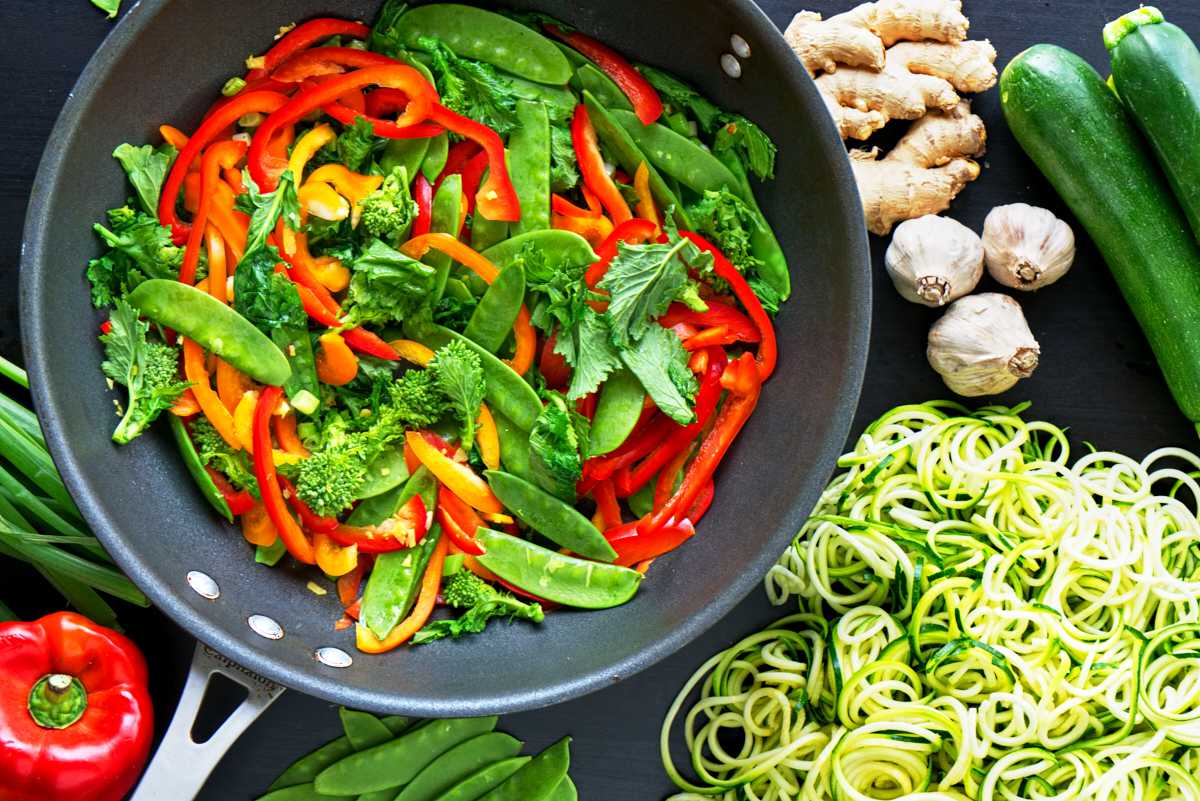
732 67
203 585
264 626
333 657
740 46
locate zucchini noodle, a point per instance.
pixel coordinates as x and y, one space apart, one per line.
980 617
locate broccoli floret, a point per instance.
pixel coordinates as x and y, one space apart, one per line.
417 401
389 211
330 479
459 373
465 590
216 453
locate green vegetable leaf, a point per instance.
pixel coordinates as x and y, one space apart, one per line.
661 364
642 281
472 88
678 95
147 168
726 221
558 448
111 7
385 36
564 166
459 374
356 144
465 590
560 295
768 296
749 143
387 286
218 454
148 371
589 351
265 210
139 248
264 297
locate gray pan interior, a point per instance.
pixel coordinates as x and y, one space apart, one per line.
164 63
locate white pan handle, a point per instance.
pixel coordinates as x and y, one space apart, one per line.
182 766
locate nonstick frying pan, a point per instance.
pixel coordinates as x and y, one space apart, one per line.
164 63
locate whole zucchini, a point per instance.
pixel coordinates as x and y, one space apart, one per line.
1077 133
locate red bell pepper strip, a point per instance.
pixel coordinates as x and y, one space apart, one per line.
667 479
560 205
456 160
363 341
382 102
718 314
397 76
348 115
632 546
268 481
497 198
310 520
702 502
645 100
238 502
403 530
461 533
640 443
305 36
220 156
715 336
76 720
260 85
591 167
423 195
321 61
245 103
552 365
472 177
767 349
633 231
729 422
606 504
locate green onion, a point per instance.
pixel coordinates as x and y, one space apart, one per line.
233 86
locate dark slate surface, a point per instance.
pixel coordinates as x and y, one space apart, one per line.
1097 376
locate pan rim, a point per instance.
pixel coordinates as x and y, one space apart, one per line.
170 599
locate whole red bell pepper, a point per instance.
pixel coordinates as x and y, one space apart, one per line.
591 167
293 537
76 721
304 36
645 100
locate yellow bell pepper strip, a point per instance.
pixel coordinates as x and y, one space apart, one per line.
232 384
641 186
257 527
431 582
243 420
353 186
591 167
217 122
322 200
336 363
458 478
334 558
196 372
330 271
526 337
268 481
307 146
218 266
285 434
487 437
412 352
217 157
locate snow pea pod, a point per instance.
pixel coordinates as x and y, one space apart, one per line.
195 468
617 412
444 217
392 589
363 729
556 577
306 768
492 321
630 156
395 763
385 472
374 510
507 392
559 96
529 163
476 785
301 792
435 157
538 778
679 157
458 763
560 249
549 516
407 153
488 37
565 791
590 79
763 243
302 388
514 446
214 326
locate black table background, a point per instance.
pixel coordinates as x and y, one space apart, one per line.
1097 375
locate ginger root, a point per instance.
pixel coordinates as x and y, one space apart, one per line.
924 172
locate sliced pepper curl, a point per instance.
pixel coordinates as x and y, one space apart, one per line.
321 61
497 199
323 201
591 167
307 146
303 36
290 532
431 582
352 186
458 478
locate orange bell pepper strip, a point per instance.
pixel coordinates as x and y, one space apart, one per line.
594 229
330 271
218 267
336 363
243 420
334 558
526 337
560 205
257 527
232 384
431 582
351 185
591 167
233 177
197 372
413 352
185 405
217 157
646 209
233 225
607 507
173 136
717 335
268 481
487 437
460 523
285 434
458 478
349 585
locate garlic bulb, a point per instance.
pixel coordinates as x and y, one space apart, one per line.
934 260
1027 247
982 345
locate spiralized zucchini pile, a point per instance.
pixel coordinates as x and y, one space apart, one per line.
981 617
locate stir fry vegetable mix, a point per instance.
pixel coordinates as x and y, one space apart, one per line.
425 302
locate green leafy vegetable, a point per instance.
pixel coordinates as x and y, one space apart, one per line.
139 248
560 294
749 143
564 166
265 297
385 36
643 280
459 375
417 399
111 7
726 221
679 96
465 590
387 286
588 348
768 295
355 144
147 168
216 453
265 210
389 211
661 364
148 370
558 448
472 88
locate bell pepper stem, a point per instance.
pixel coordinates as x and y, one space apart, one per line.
57 701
